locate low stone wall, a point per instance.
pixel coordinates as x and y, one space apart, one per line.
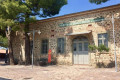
66 59
106 60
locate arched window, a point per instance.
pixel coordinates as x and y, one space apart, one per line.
80 43
80 38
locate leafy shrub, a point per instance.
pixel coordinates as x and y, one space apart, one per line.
92 47
100 48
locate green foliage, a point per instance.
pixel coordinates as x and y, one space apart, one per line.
15 28
46 7
2 33
4 23
51 7
3 41
30 20
102 48
10 11
17 11
92 47
41 8
98 1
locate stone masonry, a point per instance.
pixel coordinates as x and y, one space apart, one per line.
51 30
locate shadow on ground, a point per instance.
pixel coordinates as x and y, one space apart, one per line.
2 63
109 65
4 79
44 62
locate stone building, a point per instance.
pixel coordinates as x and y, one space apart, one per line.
68 37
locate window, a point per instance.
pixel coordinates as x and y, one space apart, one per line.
74 46
103 39
60 45
86 46
80 46
45 46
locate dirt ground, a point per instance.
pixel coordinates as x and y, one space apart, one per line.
61 72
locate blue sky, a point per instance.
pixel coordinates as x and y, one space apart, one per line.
74 6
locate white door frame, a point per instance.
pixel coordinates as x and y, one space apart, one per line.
78 54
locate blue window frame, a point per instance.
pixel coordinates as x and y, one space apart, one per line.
103 39
60 45
44 46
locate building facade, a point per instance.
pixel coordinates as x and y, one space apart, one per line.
68 37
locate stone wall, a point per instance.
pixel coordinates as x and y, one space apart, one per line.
51 30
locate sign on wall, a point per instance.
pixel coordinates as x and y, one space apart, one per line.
82 22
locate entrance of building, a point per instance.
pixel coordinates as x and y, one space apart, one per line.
80 50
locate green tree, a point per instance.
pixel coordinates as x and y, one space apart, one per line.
41 8
3 41
98 1
13 12
9 12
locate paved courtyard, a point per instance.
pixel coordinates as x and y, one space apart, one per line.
61 72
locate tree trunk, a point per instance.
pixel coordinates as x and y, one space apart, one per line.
11 56
27 41
27 49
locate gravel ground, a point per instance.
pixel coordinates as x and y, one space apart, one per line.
61 72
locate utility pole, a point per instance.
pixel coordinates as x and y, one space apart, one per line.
33 32
114 43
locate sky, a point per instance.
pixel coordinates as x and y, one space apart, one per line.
75 6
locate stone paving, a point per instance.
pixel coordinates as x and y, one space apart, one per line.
57 72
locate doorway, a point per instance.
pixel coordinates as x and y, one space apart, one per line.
80 50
